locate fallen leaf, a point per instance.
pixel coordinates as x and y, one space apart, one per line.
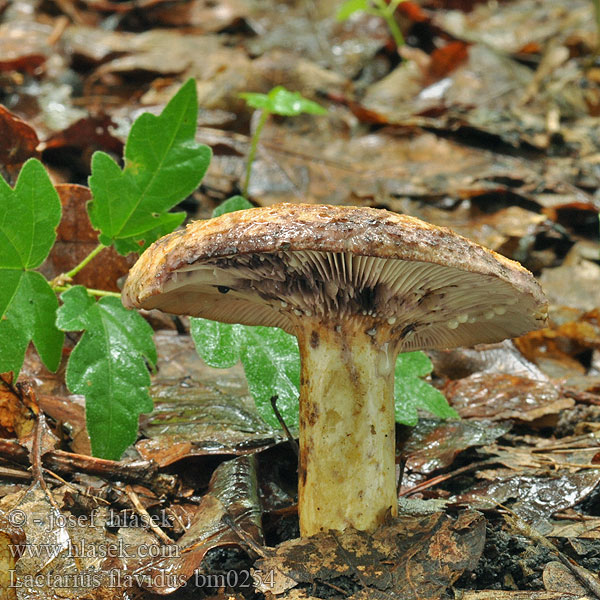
500 396
413 558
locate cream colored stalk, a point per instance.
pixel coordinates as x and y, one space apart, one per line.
347 475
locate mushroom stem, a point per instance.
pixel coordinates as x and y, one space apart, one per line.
347 474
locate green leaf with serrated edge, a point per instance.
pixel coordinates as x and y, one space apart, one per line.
109 367
163 165
232 204
412 393
29 215
350 7
280 101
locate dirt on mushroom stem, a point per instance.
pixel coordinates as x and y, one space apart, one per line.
347 475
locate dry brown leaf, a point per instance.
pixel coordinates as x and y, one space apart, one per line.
18 407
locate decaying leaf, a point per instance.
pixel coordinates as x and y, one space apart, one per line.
18 407
232 498
413 558
500 396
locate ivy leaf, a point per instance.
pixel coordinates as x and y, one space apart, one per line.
218 344
163 165
270 359
412 393
29 215
281 101
109 367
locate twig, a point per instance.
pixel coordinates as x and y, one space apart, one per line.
37 452
243 535
586 580
445 476
158 532
580 396
290 437
140 471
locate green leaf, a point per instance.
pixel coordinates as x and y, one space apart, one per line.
109 367
280 101
29 215
218 344
350 7
232 204
270 359
27 312
271 362
163 165
412 393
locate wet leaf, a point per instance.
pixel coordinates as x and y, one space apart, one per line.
533 498
108 366
201 419
500 396
433 445
233 495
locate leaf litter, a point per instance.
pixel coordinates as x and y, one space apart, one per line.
489 128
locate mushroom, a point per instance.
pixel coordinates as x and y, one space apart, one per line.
356 286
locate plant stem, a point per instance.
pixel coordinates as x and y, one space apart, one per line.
253 146
90 291
387 12
85 261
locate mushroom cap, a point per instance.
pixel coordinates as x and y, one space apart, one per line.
271 266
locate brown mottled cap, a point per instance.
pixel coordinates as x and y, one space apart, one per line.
269 266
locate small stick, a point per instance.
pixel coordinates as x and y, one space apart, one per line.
243 535
139 471
588 582
158 532
290 437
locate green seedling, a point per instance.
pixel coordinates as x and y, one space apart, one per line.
379 8
278 101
